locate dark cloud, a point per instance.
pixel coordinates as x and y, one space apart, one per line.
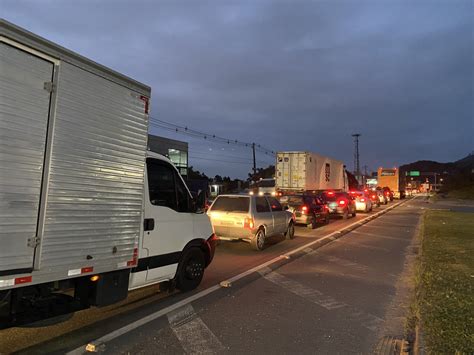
292 75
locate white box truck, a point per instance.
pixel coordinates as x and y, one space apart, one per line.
298 172
85 211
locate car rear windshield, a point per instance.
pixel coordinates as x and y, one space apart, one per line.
335 196
231 204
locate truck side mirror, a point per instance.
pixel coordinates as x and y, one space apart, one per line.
199 200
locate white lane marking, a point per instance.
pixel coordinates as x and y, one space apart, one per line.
367 320
301 290
193 334
142 321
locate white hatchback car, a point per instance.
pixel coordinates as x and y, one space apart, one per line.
362 200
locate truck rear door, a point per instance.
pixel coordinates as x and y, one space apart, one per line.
24 111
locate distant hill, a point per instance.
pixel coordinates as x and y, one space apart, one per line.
466 163
459 166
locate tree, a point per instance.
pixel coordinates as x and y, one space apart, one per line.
263 173
196 174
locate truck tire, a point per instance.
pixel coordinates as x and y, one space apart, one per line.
190 270
258 241
290 232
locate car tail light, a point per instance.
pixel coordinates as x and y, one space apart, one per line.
342 202
304 209
248 223
330 193
362 199
374 196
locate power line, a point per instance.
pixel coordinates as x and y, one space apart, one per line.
207 136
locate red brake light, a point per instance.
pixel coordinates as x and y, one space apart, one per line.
342 202
304 209
248 223
330 193
362 199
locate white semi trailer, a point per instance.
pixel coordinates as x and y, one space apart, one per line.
300 171
84 208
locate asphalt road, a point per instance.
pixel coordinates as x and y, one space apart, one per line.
341 292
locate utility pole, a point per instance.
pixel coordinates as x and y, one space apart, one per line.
356 154
254 161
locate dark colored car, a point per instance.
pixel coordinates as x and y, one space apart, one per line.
374 197
308 210
387 193
340 203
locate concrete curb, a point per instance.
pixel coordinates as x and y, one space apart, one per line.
253 274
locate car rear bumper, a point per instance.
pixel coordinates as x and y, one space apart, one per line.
337 210
303 219
361 206
233 233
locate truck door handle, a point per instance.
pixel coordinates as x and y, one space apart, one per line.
148 224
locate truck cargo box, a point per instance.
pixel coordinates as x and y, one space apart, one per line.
73 140
305 171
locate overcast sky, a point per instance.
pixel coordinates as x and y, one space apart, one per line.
290 75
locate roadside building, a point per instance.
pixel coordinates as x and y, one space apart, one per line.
176 151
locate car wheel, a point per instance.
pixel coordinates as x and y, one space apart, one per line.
258 241
346 214
190 270
290 232
354 213
326 221
312 224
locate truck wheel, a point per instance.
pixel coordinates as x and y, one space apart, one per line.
190 270
312 224
258 241
290 232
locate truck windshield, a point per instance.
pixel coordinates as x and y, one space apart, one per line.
231 204
266 183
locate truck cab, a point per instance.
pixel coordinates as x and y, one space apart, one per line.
177 242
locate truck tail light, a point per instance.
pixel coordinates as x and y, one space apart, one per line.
248 223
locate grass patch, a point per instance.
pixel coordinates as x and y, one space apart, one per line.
444 282
465 193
